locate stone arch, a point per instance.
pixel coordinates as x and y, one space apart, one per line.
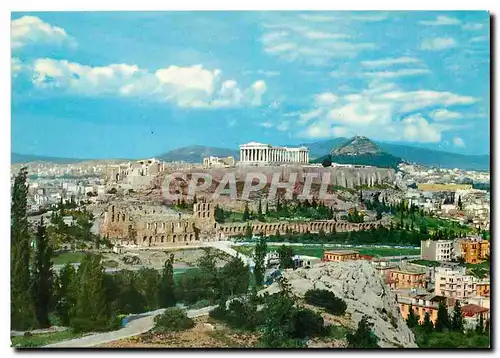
162 239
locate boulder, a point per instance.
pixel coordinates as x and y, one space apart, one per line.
365 293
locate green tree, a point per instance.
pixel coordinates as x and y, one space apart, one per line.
173 320
248 232
148 282
65 287
233 278
363 337
427 324
42 277
327 162
259 258
443 319
480 325
22 311
246 213
412 319
457 321
93 311
285 254
166 292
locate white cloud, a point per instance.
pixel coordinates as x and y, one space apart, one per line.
266 124
318 35
444 114
473 26
438 43
291 40
283 126
16 66
345 17
417 129
398 73
382 111
192 86
32 30
459 142
441 21
386 62
479 39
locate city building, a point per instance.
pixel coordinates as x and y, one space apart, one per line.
254 153
218 162
340 255
406 278
474 250
421 303
457 284
472 313
437 250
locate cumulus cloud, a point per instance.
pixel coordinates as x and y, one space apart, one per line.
438 43
266 124
386 62
417 129
32 30
473 26
381 111
441 21
458 142
444 114
193 86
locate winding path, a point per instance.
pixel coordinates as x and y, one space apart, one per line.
139 324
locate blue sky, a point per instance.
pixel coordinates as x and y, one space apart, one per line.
125 84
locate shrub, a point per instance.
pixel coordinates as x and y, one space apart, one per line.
327 300
307 324
173 320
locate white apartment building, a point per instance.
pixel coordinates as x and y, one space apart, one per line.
456 284
437 250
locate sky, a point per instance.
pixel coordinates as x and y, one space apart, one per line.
137 84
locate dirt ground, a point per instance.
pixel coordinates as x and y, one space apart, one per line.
183 258
205 334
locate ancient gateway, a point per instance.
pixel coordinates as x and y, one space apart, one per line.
147 226
254 153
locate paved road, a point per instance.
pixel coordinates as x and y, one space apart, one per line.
226 247
138 325
245 243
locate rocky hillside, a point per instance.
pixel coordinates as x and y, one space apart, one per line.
365 293
357 146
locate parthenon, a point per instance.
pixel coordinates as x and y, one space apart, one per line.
254 153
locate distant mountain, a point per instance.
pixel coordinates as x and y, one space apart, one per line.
438 158
357 146
361 151
196 153
423 156
16 158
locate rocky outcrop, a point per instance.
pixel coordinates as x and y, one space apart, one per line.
364 292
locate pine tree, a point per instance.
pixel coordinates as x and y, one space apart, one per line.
427 324
363 337
459 202
166 294
92 311
286 257
457 321
42 277
260 254
443 319
412 320
22 312
259 210
248 232
246 213
480 325
65 289
267 207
